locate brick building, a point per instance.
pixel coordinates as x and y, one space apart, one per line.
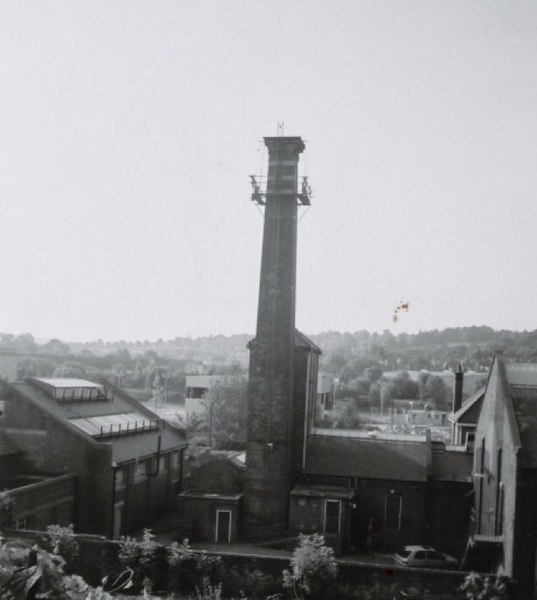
127 461
275 430
210 508
503 537
399 483
35 499
299 478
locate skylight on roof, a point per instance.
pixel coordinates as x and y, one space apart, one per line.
117 424
70 389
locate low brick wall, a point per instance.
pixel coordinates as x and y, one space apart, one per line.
98 557
360 576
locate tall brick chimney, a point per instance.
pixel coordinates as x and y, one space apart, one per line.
457 392
269 445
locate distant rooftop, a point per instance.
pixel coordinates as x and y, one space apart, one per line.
68 382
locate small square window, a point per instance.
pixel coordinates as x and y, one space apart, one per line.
140 472
120 479
163 463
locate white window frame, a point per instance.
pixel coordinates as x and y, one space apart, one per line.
140 471
119 507
326 503
120 477
21 523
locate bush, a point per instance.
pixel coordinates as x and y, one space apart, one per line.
250 583
313 567
139 555
191 569
476 587
42 576
61 540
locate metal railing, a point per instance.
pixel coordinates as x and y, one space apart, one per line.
115 429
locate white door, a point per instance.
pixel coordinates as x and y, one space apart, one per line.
118 515
223 526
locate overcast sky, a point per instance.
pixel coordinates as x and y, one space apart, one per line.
128 130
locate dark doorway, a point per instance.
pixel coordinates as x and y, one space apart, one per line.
392 513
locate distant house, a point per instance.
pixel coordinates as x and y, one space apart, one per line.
326 385
504 525
127 461
464 420
197 388
9 364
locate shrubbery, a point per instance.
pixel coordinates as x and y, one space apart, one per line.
40 572
313 567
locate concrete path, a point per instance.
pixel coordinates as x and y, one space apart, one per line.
376 559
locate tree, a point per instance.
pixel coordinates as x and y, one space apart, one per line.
25 343
313 567
373 373
386 401
437 392
403 388
423 377
225 413
56 346
374 395
70 369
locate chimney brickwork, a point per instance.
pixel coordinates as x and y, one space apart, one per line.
269 446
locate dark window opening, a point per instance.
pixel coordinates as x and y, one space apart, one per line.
392 513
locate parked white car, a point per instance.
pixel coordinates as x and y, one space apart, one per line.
425 556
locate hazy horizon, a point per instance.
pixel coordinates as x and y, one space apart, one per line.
166 339
128 131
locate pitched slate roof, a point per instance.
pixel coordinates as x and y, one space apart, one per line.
522 381
347 456
451 465
301 341
124 447
469 411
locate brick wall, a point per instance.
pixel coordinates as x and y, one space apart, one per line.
51 447
269 448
